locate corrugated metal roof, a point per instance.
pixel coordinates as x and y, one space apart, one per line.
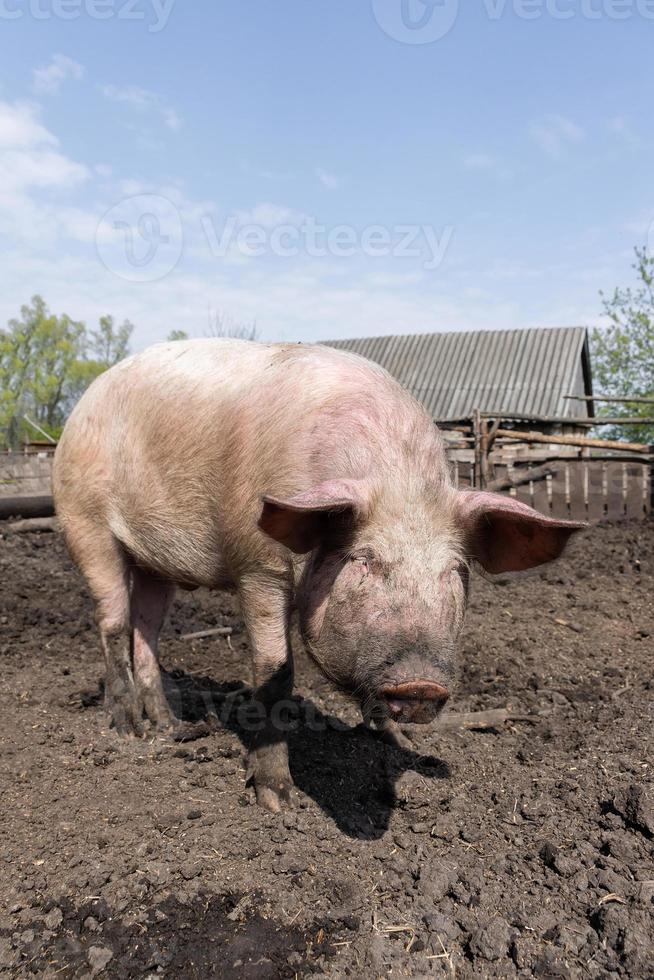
524 372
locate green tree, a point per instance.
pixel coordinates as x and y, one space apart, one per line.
46 362
177 335
109 343
103 348
37 352
623 351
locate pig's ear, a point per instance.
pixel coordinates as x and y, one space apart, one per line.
505 535
302 521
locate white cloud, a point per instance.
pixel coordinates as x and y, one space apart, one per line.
38 167
269 174
48 80
266 215
31 169
641 226
28 154
395 280
143 100
328 180
507 269
555 133
51 209
479 161
20 127
620 127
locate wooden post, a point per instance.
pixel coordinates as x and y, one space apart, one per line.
484 462
493 432
476 429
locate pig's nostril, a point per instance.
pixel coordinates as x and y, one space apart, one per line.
395 706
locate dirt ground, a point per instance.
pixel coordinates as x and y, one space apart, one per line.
523 851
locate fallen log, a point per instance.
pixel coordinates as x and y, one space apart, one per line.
634 447
526 476
481 719
26 506
32 524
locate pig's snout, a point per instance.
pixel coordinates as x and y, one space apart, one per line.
414 701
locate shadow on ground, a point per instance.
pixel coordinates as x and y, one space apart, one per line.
214 936
348 770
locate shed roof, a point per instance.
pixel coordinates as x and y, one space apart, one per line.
524 372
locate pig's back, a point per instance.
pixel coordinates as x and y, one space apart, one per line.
165 371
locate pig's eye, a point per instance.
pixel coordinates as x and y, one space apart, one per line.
362 561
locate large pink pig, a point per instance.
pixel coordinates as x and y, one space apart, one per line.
304 477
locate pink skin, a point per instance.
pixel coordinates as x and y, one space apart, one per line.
302 477
151 599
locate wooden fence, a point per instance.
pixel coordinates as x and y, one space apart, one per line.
587 489
25 484
560 470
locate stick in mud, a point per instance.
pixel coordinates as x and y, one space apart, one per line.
201 634
481 719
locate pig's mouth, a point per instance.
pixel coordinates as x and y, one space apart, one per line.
414 701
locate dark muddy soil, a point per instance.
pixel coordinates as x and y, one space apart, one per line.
523 851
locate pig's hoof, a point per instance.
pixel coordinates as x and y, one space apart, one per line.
273 798
125 716
391 734
156 709
189 731
268 771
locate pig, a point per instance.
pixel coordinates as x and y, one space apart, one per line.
308 480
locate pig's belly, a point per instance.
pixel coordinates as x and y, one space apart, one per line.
175 552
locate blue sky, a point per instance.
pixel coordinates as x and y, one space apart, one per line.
327 168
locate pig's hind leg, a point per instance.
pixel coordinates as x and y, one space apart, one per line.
102 562
150 601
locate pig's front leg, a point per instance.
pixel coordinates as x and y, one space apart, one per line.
387 730
266 610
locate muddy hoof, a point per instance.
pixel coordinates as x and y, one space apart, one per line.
189 731
268 772
126 717
273 798
391 734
